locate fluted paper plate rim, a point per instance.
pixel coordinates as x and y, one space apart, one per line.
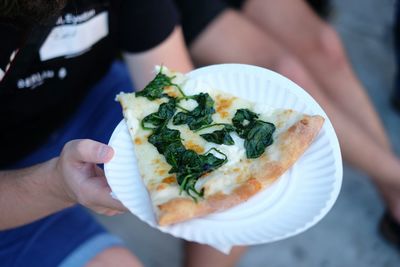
296 202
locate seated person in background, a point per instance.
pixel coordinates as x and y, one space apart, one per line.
58 81
288 37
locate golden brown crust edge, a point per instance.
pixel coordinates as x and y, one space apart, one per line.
182 209
292 145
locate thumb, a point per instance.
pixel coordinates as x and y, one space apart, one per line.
86 150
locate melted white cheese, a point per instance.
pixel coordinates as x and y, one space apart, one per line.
261 108
133 123
234 153
154 168
162 196
188 104
218 182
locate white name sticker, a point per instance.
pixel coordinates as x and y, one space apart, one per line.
74 39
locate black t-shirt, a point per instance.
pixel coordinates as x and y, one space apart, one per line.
46 71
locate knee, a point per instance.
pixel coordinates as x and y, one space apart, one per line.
290 67
327 44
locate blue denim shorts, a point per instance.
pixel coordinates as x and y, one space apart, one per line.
70 237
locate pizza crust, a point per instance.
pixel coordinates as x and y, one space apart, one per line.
291 144
234 182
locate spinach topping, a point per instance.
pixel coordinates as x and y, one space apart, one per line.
242 121
161 117
186 163
199 116
192 166
258 138
220 136
155 89
257 134
162 137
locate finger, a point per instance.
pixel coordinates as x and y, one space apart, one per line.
107 212
96 192
86 150
98 171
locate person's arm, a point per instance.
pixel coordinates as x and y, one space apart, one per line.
35 192
171 53
73 177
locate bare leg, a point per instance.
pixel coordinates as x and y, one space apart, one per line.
359 148
318 47
201 255
233 38
116 257
362 143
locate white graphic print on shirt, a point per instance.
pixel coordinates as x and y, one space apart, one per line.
74 34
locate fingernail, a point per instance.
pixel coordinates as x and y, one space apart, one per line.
105 152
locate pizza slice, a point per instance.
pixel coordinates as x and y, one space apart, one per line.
207 151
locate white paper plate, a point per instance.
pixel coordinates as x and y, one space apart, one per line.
297 201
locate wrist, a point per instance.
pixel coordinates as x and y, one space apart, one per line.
57 186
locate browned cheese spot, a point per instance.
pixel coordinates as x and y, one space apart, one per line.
162 172
193 146
171 91
223 104
288 111
161 187
304 122
161 165
138 141
158 101
169 180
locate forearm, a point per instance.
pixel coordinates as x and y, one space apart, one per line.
30 194
171 53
